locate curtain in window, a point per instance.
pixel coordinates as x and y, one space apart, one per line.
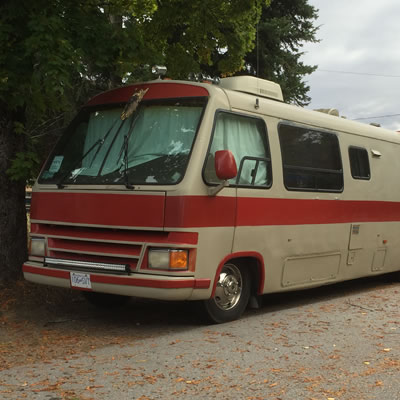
157 131
242 137
99 124
163 131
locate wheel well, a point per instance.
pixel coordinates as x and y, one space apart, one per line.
256 273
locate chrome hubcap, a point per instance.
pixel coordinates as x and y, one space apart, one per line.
229 287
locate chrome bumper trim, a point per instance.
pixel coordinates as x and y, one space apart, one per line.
87 266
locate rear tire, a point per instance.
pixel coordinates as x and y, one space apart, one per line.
105 300
231 296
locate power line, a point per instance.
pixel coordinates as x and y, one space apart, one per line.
380 116
358 73
363 74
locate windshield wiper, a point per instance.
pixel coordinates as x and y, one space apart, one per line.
130 108
127 184
99 143
124 151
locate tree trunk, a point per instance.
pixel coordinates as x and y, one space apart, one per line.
13 232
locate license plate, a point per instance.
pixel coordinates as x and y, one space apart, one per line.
80 280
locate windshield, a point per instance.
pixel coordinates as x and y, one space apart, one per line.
150 147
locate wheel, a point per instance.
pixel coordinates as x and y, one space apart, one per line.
231 296
105 300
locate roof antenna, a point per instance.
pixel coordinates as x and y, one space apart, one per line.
257 47
257 105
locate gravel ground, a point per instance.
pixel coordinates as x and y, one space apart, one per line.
336 342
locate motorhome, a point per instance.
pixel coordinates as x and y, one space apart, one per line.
214 193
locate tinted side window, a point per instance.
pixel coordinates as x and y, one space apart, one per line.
246 138
311 159
359 163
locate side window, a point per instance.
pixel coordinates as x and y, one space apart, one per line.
246 138
311 159
359 163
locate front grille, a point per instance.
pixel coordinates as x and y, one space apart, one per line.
76 247
83 248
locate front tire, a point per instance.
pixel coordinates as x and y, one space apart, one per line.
231 296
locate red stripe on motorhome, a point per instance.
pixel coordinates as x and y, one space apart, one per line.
55 273
120 280
105 209
202 211
105 258
199 211
156 91
113 236
152 283
258 211
121 250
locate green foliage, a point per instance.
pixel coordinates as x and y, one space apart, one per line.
57 54
198 30
282 30
52 48
24 166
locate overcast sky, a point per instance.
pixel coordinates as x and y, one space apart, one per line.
359 40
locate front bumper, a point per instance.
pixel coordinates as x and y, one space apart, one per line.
136 284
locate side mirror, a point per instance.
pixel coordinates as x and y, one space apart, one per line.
225 168
225 165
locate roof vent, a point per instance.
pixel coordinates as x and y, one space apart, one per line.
253 85
330 111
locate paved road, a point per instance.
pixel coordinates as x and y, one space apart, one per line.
337 342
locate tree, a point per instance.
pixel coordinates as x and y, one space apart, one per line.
53 54
282 30
56 53
197 30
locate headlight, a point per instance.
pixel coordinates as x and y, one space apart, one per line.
37 247
168 259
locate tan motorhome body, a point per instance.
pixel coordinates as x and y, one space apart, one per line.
298 256
290 239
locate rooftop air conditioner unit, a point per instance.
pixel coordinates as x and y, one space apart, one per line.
253 85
